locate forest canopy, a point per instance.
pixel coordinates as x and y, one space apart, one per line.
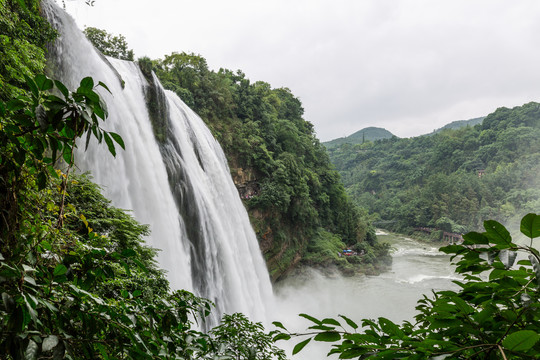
452 180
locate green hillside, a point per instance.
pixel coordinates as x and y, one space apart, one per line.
454 125
361 136
452 180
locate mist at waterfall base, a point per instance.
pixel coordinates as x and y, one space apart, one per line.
173 175
417 269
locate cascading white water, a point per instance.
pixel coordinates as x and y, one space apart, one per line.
179 183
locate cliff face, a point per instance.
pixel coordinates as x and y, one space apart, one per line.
282 253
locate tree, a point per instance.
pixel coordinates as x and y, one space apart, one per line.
24 35
244 340
494 315
38 122
111 45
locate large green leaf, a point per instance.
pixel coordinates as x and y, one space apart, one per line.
473 237
118 139
298 347
89 94
390 328
279 325
63 89
43 82
109 143
32 85
530 225
49 343
497 233
103 86
87 83
521 340
59 270
281 336
331 321
310 318
349 322
328 336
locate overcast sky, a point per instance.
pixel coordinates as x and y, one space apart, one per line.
410 66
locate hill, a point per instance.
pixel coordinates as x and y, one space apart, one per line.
367 134
454 125
453 179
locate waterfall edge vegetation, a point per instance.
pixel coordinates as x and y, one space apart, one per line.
88 287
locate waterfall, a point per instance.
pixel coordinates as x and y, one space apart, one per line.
173 175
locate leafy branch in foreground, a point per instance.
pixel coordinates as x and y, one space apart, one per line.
39 129
494 315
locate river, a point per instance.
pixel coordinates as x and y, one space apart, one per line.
417 269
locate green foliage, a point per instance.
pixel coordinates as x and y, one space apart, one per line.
65 292
38 130
242 339
494 315
92 290
24 35
450 180
108 44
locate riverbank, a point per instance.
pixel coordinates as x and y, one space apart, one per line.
330 255
419 236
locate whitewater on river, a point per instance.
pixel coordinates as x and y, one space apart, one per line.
417 269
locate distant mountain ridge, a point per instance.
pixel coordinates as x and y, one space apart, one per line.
375 133
367 134
458 124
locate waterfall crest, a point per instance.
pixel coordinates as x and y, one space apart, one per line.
173 176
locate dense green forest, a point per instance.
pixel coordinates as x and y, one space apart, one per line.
451 180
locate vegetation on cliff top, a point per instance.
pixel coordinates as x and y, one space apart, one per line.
23 36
